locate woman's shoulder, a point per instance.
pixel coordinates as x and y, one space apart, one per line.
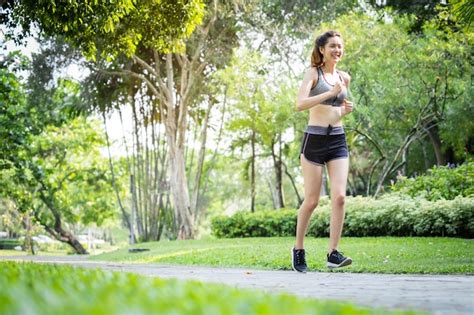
311 73
344 75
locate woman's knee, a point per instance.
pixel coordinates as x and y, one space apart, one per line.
339 200
311 203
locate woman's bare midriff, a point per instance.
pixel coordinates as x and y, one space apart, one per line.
325 115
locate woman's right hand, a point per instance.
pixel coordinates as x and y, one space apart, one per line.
336 89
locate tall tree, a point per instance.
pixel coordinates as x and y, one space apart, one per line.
174 89
34 170
65 181
115 29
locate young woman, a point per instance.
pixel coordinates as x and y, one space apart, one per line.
323 92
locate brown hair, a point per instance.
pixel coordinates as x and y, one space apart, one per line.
321 40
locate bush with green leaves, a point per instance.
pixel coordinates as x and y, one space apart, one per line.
9 243
442 182
262 223
391 215
51 289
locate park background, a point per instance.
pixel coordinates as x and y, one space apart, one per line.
139 122
165 132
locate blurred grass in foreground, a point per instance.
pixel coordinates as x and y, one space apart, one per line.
49 289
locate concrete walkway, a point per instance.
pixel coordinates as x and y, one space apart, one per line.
435 294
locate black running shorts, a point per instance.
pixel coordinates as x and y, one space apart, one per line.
324 144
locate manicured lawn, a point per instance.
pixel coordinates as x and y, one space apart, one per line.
11 252
56 252
48 289
370 254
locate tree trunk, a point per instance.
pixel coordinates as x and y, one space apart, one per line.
292 180
62 235
277 166
324 184
390 166
219 138
57 230
137 178
179 191
132 237
29 245
200 164
125 215
176 124
433 134
252 174
67 237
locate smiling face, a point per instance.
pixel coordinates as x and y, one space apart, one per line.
333 50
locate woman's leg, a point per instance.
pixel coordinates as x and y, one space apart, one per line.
337 170
312 175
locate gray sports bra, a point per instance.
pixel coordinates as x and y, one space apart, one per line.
323 86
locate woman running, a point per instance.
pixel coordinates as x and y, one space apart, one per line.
323 92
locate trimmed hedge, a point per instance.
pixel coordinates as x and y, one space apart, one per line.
391 215
9 243
262 223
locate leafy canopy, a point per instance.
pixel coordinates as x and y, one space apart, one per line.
111 27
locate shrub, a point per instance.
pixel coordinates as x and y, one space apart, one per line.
391 215
262 223
9 243
441 182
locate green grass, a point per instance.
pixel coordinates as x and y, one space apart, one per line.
62 251
48 289
11 252
370 254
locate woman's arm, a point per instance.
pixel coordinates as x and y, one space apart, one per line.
304 101
347 107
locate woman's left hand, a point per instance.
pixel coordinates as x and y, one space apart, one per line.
347 107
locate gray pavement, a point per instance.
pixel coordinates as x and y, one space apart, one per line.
435 294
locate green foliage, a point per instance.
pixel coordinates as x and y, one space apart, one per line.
50 289
112 28
75 172
280 222
6 243
464 10
442 182
13 118
262 110
407 88
398 215
391 215
64 171
50 163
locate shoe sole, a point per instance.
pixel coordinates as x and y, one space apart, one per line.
345 263
293 261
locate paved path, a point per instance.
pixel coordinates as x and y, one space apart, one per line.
436 294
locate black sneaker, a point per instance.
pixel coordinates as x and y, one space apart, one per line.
337 259
298 260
